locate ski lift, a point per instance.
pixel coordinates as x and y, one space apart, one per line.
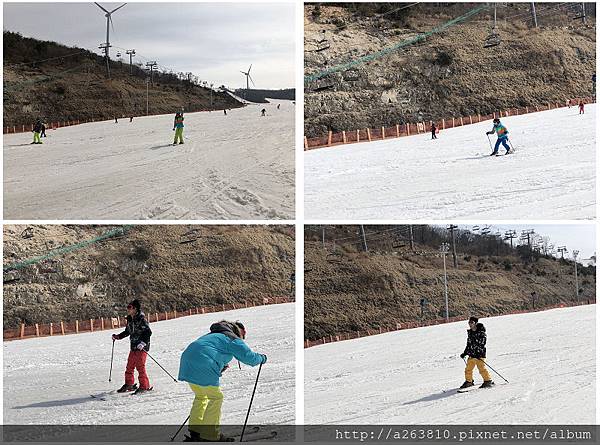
325 83
493 39
119 54
351 75
322 45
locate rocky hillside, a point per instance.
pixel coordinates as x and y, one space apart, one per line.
348 290
169 267
449 73
57 83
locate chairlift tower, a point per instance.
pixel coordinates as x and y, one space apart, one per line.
575 253
131 53
444 248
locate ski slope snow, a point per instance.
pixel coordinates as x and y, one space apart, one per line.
551 175
407 377
239 166
49 380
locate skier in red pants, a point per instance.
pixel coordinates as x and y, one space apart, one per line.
581 110
138 331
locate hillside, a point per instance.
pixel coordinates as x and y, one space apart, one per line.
56 83
265 96
348 290
449 73
169 267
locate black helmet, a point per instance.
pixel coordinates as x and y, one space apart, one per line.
496 120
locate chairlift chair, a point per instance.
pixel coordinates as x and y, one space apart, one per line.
493 39
322 45
351 75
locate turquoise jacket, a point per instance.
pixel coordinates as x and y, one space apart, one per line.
500 130
203 360
178 122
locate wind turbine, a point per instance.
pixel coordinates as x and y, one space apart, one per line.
248 77
106 46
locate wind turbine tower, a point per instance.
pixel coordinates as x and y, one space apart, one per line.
106 45
248 79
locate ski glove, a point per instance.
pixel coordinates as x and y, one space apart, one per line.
463 355
141 345
115 337
264 359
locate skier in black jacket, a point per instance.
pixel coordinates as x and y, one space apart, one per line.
475 349
139 332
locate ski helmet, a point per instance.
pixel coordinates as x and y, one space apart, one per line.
496 120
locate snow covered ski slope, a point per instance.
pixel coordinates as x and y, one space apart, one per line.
49 380
551 175
239 166
407 377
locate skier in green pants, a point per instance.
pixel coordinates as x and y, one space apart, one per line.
178 128
37 129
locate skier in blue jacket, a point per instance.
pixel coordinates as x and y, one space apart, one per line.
202 364
502 133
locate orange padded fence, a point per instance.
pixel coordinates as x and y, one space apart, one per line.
408 129
100 324
419 324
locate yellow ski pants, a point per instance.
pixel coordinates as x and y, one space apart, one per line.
178 135
480 363
205 416
36 138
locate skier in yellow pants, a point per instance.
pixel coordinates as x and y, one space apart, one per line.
475 349
205 416
37 129
201 365
178 127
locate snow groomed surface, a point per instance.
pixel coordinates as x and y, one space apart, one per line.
49 380
239 166
551 175
410 377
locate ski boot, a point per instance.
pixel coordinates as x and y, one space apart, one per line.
180 143
467 384
142 390
127 388
487 384
195 437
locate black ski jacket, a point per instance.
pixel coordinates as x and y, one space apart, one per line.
37 127
476 342
138 330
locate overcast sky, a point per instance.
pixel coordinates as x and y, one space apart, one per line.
580 237
215 41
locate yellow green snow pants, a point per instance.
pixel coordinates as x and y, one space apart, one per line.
178 135
36 138
205 416
480 363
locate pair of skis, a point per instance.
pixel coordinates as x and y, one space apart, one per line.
104 395
250 435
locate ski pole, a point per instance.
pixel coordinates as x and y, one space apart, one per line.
112 354
494 370
511 144
489 142
251 399
174 379
182 425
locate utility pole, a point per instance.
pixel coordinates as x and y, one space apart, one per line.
584 20
575 253
211 93
510 234
526 235
452 227
147 94
534 15
444 249
364 238
151 65
323 236
104 47
410 232
131 53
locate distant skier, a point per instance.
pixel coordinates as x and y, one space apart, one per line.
225 112
569 103
201 365
278 106
43 133
475 349
178 128
139 332
433 130
581 105
131 118
502 133
116 121
263 112
37 129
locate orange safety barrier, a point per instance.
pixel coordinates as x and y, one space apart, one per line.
100 324
400 326
408 129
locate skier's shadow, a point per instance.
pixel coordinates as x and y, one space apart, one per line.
54 403
158 147
432 397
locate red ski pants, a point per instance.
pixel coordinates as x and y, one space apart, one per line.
137 360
